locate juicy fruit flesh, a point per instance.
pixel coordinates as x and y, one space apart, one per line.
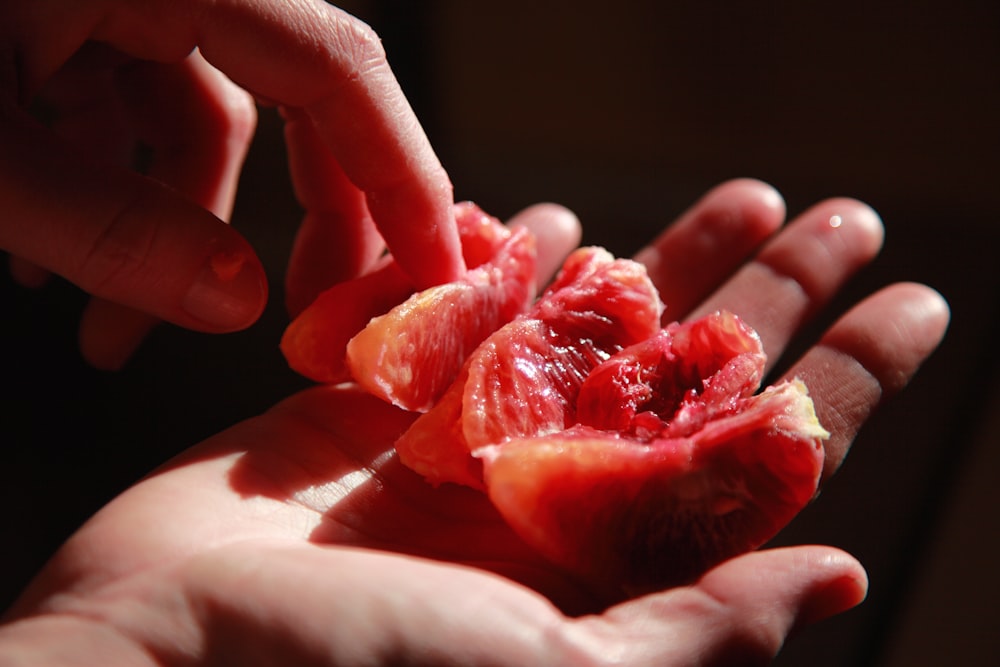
672 464
500 269
633 455
411 366
523 379
672 383
661 512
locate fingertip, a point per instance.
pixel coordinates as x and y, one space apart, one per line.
110 333
227 294
892 332
420 231
550 222
695 254
927 306
761 203
845 213
27 274
845 587
557 232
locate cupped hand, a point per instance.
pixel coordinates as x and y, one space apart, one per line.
297 537
92 94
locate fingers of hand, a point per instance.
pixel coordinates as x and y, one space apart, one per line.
103 106
315 57
198 142
739 613
337 240
710 241
196 145
110 332
304 54
799 270
122 237
557 232
867 356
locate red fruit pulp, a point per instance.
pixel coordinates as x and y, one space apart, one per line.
667 463
633 455
672 383
523 379
655 510
315 343
410 355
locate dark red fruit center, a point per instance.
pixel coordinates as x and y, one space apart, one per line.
658 389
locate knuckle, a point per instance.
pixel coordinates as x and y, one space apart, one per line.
357 48
118 253
587 642
241 118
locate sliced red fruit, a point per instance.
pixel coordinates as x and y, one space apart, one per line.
633 455
523 379
410 355
674 382
315 342
637 469
637 516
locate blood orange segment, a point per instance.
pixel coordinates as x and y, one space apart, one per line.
436 448
314 344
645 515
523 379
633 455
673 382
410 355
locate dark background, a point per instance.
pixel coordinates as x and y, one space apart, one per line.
627 112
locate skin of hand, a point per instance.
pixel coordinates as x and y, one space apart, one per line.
297 537
87 88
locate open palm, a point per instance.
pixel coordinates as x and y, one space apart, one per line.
297 537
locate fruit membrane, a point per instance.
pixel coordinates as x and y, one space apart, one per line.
632 454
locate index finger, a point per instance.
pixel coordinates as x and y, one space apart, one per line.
297 53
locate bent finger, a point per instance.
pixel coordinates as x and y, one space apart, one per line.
337 239
196 146
27 274
122 236
302 53
198 143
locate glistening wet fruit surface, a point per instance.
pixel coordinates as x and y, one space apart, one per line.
658 511
523 379
633 455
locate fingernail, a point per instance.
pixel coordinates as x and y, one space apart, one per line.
228 294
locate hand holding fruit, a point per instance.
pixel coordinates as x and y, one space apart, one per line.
298 537
113 81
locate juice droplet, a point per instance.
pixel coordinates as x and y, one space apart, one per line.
836 221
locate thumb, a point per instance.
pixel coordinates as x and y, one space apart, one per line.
740 612
121 236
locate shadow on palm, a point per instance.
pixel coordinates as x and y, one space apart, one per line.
329 455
